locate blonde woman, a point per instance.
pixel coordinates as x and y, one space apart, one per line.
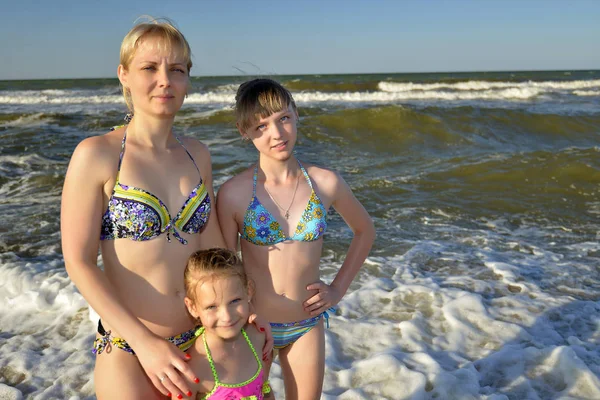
144 196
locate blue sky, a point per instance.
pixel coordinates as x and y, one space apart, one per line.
74 39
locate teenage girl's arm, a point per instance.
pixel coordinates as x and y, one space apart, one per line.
357 218
226 208
229 201
81 216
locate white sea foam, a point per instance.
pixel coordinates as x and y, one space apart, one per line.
586 92
486 85
389 92
459 334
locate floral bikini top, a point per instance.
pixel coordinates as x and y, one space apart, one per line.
252 389
262 229
139 215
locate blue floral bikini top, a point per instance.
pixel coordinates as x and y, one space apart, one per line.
262 229
139 215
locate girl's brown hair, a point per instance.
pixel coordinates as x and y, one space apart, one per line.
260 98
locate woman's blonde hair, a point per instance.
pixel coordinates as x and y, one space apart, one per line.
260 98
169 37
211 264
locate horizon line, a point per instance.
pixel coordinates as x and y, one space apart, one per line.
330 74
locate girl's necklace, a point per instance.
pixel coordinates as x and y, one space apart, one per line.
287 211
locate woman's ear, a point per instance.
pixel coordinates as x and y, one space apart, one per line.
122 74
191 306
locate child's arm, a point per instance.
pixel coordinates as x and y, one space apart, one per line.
357 218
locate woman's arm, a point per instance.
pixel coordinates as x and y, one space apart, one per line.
81 216
357 218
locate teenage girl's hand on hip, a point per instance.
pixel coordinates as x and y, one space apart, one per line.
327 296
264 327
165 365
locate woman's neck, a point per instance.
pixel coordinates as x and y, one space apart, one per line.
151 131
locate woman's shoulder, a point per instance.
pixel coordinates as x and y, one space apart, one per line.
195 146
99 150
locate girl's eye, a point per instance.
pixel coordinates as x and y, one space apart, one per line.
261 127
179 70
148 68
209 308
285 118
234 301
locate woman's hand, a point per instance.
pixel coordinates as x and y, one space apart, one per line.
164 363
264 327
327 296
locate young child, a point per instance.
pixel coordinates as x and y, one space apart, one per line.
224 357
279 207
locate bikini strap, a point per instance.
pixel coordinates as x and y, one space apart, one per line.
210 359
251 348
254 181
305 174
189 155
121 156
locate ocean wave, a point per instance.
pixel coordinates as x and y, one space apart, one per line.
395 87
586 92
389 92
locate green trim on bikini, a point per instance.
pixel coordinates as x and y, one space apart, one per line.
214 369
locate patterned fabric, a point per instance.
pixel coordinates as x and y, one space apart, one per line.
139 215
262 229
287 333
252 389
184 340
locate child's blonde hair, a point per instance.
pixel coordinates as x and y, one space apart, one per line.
260 98
168 36
210 264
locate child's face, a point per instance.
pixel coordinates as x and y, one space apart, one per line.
275 135
222 304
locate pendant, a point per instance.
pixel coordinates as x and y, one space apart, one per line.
287 214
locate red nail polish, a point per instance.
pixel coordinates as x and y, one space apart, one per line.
179 396
169 394
196 380
189 394
262 329
187 356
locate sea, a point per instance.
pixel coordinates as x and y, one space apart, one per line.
484 187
